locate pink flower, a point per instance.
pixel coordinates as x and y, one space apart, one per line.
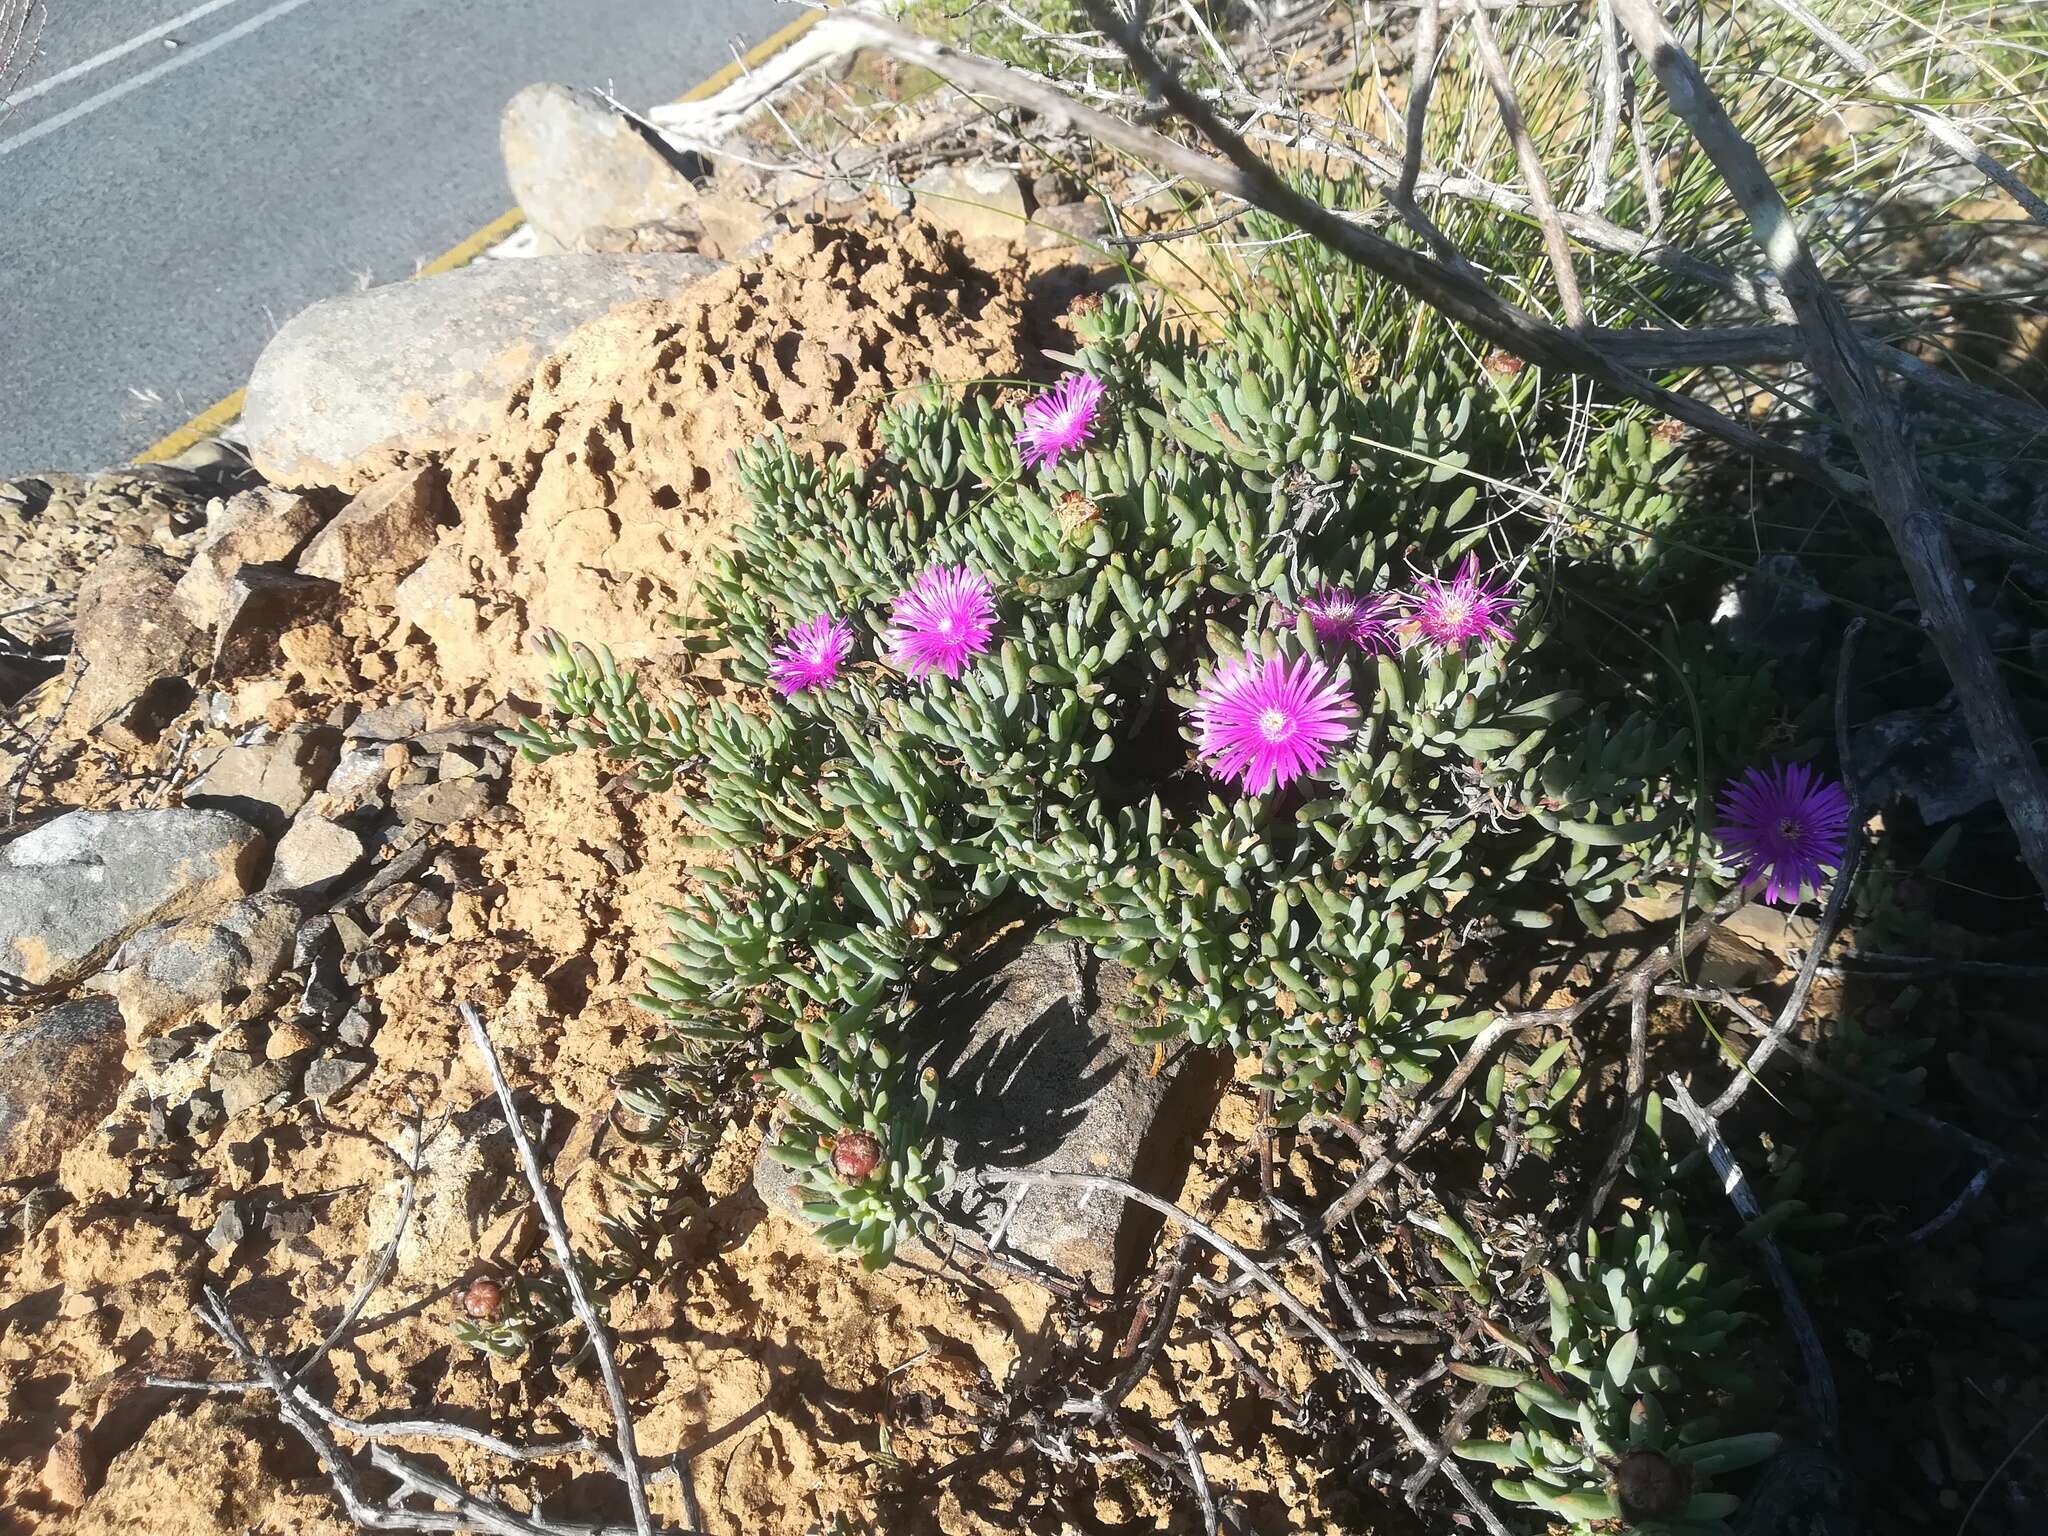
1058 422
1341 617
1265 723
1786 825
943 620
811 654
1450 615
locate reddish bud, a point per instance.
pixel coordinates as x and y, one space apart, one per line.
855 1155
1504 363
1650 1486
484 1300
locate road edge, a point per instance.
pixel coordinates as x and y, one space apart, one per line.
218 415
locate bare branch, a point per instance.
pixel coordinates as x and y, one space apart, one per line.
1541 204
1817 1380
572 1274
1287 1300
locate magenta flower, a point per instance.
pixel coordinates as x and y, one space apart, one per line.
1787 825
1451 614
1341 617
943 620
1058 422
811 654
1265 723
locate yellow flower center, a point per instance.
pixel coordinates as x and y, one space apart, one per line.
1273 724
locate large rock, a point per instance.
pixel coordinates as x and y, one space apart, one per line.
60 1075
74 888
136 650
387 530
425 362
263 524
584 175
314 857
259 604
1037 1072
171 972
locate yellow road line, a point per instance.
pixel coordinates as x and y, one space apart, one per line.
221 412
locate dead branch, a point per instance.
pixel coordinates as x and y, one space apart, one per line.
572 1275
1288 1301
1817 1379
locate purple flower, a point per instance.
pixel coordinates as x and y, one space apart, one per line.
943 620
1058 422
811 654
1265 723
1341 617
1451 614
1786 825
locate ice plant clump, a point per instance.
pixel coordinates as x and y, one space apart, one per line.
1267 723
1786 825
943 620
1451 614
1058 422
1341 617
811 654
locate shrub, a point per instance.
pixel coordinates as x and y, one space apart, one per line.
1242 517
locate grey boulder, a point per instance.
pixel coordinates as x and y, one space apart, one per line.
1037 1072
422 363
172 971
73 889
584 174
60 1075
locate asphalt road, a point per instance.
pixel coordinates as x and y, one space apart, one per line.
164 211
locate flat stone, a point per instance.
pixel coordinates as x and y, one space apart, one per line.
360 777
267 783
583 174
261 603
253 1085
315 856
73 889
332 1076
176 971
390 527
1068 224
1925 757
252 527
976 202
427 362
136 649
396 721
60 1076
1038 1073
444 803
228 1230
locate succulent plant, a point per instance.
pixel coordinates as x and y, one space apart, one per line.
1225 494
1618 1420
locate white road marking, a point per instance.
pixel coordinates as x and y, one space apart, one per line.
119 50
134 83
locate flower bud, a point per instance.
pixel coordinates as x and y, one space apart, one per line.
1650 1486
855 1155
484 1300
